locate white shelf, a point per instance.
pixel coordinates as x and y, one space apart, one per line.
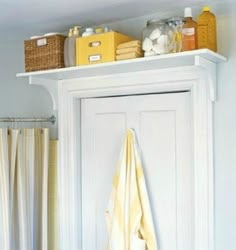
127 66
203 58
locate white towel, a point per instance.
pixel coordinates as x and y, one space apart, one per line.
128 216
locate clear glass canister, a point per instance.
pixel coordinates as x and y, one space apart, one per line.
156 38
176 24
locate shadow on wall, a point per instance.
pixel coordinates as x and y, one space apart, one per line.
17 97
225 136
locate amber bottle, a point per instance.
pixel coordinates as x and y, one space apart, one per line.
207 37
189 32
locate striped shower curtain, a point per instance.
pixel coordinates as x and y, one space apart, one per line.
24 189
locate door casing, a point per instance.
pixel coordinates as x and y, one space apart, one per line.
194 79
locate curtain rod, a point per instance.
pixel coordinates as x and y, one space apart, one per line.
51 119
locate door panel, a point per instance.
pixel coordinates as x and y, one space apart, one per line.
161 171
162 125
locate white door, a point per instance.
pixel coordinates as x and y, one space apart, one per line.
163 127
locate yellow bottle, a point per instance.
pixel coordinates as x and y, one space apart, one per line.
207 38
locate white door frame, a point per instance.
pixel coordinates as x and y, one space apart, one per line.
199 81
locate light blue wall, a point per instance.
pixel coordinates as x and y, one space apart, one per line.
225 138
17 97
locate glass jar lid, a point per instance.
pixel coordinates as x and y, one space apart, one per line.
175 21
156 22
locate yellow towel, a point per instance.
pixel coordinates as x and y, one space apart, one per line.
133 43
128 216
137 50
126 56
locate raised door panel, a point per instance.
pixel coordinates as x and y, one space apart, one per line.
102 134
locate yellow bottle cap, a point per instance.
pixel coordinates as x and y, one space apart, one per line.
99 30
206 8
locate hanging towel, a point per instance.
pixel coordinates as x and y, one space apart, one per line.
128 216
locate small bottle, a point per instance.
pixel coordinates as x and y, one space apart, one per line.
207 37
88 32
72 46
189 32
66 48
99 30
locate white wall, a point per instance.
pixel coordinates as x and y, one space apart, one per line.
225 138
18 98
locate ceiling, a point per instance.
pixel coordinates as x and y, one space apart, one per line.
23 18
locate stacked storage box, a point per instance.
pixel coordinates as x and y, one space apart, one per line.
98 48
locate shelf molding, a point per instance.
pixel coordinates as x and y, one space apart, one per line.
203 59
210 68
49 85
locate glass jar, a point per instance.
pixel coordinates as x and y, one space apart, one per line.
176 24
156 38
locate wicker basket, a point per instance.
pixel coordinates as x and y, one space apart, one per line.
44 53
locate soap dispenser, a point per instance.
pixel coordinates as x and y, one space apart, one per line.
66 48
72 46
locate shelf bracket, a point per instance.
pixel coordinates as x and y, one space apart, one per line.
50 85
210 68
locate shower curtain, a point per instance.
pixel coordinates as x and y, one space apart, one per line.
24 189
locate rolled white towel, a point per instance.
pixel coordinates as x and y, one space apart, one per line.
149 53
163 40
155 34
160 49
147 44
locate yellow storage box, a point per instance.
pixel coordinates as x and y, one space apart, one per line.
99 48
